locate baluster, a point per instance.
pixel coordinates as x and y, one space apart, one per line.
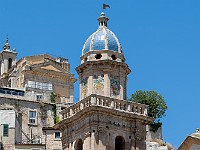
120 106
133 109
136 109
100 102
112 104
125 107
81 106
93 101
103 102
108 103
66 115
97 101
117 106
129 107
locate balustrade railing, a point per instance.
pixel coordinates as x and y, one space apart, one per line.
97 100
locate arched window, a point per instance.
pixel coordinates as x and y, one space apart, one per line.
78 145
119 143
9 63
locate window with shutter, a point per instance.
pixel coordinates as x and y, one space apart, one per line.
5 130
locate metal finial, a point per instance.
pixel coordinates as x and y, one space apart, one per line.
6 45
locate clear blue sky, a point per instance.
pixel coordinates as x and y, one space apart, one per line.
160 39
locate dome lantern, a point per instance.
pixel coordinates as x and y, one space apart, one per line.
103 20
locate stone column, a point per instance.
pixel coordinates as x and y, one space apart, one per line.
90 85
92 141
106 83
80 86
87 142
122 83
71 93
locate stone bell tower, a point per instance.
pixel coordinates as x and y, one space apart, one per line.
103 70
7 58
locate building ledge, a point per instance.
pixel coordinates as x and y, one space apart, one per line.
111 106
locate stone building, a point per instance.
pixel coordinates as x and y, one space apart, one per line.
22 120
38 75
103 119
33 90
192 142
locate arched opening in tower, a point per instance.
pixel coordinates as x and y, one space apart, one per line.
119 143
79 144
9 63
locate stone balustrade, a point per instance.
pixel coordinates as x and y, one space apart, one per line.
101 101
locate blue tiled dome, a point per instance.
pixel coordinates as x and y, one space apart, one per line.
102 39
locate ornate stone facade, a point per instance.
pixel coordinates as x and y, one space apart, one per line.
103 119
99 120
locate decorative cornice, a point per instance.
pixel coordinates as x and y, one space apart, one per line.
107 65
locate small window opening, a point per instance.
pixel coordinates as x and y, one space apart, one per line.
114 57
85 59
98 56
5 130
57 135
39 97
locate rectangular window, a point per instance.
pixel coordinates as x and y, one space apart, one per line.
39 85
5 130
57 135
32 117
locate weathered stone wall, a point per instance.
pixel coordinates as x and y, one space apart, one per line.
52 142
153 135
8 143
155 146
25 131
